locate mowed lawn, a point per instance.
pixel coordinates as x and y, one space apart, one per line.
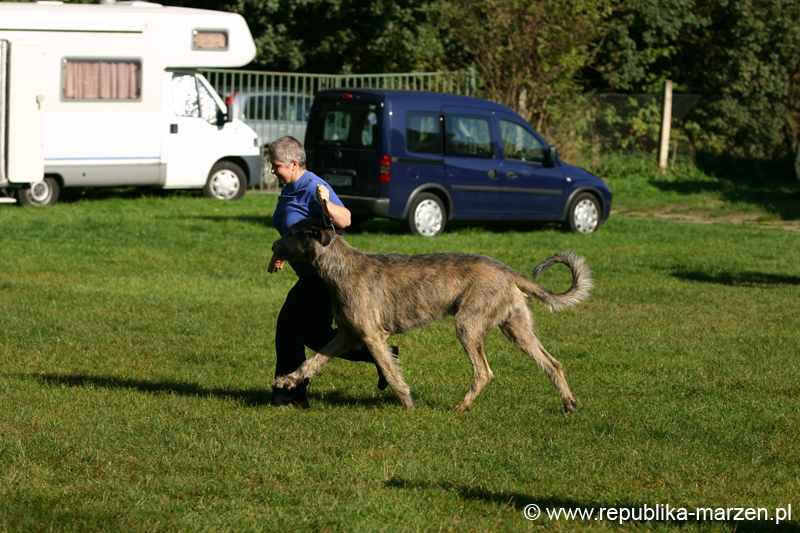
136 353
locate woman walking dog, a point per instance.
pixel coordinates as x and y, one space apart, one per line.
305 318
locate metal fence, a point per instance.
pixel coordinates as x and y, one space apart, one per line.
275 104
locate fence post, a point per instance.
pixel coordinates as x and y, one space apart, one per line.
666 121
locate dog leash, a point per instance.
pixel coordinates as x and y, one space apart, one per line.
326 216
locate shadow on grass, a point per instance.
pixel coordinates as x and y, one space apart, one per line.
398 227
769 184
251 397
570 510
739 279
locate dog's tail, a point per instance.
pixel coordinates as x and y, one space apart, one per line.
581 282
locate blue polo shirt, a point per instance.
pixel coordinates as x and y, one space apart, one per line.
297 201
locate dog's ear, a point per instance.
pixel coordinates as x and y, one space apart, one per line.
321 235
325 237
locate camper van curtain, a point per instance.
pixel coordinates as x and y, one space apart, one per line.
102 80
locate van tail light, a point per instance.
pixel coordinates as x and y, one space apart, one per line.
386 169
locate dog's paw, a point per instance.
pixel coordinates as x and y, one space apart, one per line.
462 406
284 382
570 405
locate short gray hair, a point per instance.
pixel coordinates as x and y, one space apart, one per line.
288 149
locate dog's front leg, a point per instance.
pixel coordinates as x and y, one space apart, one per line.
383 358
339 345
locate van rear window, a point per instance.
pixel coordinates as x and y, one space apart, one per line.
349 125
423 133
468 135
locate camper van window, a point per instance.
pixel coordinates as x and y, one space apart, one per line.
101 79
210 40
190 98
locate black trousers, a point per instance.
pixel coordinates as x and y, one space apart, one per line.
306 320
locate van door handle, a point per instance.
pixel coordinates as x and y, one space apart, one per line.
492 174
173 128
511 175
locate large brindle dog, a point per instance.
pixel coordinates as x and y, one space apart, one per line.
376 295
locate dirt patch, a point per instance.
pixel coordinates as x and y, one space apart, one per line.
737 219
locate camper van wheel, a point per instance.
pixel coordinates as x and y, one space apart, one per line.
426 216
226 181
41 193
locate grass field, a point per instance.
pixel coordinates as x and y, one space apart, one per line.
136 352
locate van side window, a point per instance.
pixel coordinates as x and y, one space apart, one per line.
190 98
519 143
468 135
83 79
423 132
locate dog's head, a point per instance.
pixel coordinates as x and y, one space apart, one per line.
305 241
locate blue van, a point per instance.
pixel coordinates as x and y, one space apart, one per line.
428 158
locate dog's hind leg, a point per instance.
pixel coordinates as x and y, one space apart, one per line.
386 362
520 331
338 345
471 332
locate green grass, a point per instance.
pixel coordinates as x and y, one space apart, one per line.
136 351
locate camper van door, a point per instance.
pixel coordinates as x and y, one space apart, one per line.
193 120
25 112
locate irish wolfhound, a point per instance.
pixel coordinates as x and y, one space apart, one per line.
376 295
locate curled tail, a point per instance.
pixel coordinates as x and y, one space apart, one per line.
581 282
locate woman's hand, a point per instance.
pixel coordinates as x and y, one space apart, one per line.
338 214
275 265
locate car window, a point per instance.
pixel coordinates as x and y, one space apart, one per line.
519 143
423 132
275 107
351 124
468 135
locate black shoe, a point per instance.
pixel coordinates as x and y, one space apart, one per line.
286 398
382 383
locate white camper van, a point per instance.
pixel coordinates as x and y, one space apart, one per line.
108 95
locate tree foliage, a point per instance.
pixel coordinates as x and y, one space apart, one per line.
529 53
343 36
743 55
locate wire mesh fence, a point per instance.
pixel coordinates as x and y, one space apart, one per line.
631 123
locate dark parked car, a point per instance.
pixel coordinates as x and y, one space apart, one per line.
428 158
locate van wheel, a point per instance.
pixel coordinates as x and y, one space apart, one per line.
41 193
426 216
583 215
226 181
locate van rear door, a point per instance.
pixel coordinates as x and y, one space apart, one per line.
343 142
